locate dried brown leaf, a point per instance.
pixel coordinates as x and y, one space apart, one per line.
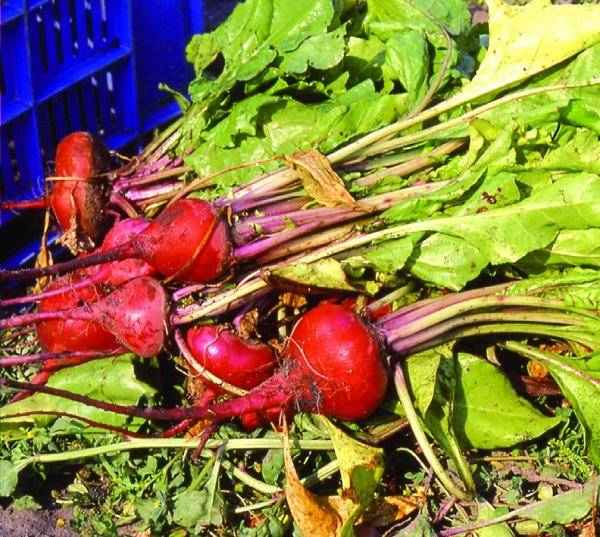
316 516
321 182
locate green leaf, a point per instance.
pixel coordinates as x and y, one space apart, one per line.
410 69
563 508
322 51
486 512
580 153
488 414
577 247
286 126
113 380
324 274
198 507
421 373
9 477
507 234
446 261
433 381
205 507
390 256
361 467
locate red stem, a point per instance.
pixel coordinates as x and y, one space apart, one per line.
40 203
40 357
277 392
77 314
117 253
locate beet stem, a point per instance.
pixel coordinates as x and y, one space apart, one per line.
117 253
276 392
40 357
170 414
40 203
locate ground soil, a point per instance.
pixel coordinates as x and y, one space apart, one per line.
52 522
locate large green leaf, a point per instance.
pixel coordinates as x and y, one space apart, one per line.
516 53
502 235
488 414
113 380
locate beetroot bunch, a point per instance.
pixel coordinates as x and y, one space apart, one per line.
117 295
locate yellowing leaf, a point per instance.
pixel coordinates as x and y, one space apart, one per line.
361 466
316 516
324 274
525 40
389 509
320 180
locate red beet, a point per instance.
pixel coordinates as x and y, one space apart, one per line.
335 349
133 315
118 272
188 241
332 366
80 205
242 363
110 274
65 334
136 313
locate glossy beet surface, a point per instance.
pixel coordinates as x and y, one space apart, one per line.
188 241
340 356
243 364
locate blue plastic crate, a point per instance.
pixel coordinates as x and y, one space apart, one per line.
90 65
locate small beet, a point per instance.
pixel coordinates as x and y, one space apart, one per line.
136 313
115 273
241 363
188 241
66 334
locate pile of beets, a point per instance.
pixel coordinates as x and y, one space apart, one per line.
117 294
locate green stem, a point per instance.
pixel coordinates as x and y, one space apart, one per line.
372 140
174 443
421 437
247 479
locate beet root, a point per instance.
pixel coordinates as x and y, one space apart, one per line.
188 241
67 334
133 316
332 365
115 273
136 314
242 363
80 205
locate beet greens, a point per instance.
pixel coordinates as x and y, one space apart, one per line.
353 243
